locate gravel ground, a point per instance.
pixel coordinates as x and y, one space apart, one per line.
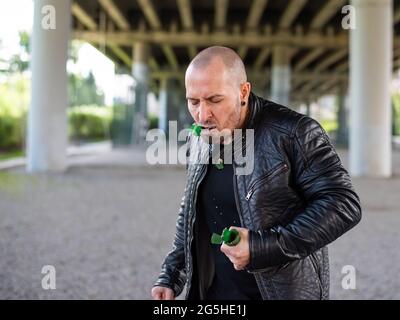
106 230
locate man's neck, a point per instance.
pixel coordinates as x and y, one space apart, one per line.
244 113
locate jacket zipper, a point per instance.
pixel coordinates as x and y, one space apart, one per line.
235 191
280 168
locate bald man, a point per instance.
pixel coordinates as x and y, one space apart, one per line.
297 199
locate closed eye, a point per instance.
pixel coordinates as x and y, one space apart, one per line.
193 102
215 100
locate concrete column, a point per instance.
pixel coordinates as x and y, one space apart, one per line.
185 119
163 103
370 76
342 119
47 119
170 101
280 75
308 112
140 72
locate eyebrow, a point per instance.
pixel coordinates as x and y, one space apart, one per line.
208 98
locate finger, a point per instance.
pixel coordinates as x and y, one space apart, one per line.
224 248
169 295
157 295
235 228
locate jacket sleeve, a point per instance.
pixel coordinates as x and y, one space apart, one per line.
332 205
173 272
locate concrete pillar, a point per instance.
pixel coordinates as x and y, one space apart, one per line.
163 103
280 75
370 76
140 72
308 108
170 101
342 119
185 119
47 119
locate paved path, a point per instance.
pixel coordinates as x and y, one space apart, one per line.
107 223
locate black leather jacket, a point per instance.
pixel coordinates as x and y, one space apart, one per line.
297 200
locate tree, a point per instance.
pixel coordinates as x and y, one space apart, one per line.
84 91
20 62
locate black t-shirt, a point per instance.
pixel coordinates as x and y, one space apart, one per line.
217 204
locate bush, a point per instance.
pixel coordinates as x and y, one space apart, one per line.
396 114
89 122
153 122
14 99
84 123
12 131
330 126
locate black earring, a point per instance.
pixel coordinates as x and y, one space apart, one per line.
243 103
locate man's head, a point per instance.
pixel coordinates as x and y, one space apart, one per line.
217 90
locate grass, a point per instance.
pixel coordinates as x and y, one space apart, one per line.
5 155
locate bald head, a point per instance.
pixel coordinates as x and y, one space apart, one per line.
217 90
233 64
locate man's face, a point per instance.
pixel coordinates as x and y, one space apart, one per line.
213 99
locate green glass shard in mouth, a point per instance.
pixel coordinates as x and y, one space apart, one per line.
196 129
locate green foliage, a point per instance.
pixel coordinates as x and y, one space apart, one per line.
153 122
14 97
84 91
12 132
121 125
11 154
20 62
89 122
329 125
86 122
396 114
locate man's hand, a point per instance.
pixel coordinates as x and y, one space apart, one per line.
239 255
162 293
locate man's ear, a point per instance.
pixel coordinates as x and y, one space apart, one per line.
245 91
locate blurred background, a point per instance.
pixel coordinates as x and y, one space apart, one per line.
82 82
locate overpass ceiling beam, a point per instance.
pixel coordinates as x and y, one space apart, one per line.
150 14
308 58
331 59
221 10
89 23
248 39
327 11
152 18
185 12
115 14
253 19
291 12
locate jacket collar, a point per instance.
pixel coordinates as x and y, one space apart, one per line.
254 106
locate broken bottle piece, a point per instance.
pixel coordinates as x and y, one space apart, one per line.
196 129
229 237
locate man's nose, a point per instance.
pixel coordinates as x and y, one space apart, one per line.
204 113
